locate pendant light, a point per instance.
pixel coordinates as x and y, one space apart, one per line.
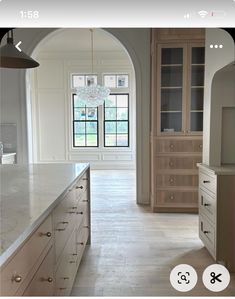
10 57
93 95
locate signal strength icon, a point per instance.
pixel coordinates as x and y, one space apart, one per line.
203 13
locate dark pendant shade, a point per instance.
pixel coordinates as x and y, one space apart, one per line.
10 57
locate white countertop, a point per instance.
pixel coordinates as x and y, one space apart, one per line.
28 195
220 170
8 154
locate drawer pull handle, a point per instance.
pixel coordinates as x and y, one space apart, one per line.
49 279
81 213
206 204
86 226
70 212
79 187
206 232
60 229
200 145
171 180
171 146
80 243
171 196
74 254
206 182
48 234
85 179
17 278
65 278
74 208
61 289
171 164
85 200
64 222
72 262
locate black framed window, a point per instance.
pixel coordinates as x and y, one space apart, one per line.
85 124
116 120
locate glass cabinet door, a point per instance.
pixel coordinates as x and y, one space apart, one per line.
197 67
171 89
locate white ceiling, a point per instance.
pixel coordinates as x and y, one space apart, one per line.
80 40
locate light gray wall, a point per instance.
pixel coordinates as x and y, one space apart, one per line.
215 59
14 108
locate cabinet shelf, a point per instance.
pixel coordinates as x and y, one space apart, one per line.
173 111
171 87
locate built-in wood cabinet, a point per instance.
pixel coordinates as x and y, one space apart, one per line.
47 263
216 212
176 118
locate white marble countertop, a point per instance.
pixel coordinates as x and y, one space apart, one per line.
220 170
8 154
28 195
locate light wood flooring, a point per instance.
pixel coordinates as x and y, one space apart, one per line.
133 250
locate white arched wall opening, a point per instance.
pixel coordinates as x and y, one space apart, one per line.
139 54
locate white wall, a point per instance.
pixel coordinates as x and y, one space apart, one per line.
52 108
215 59
137 44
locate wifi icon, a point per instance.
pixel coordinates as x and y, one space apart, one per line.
203 13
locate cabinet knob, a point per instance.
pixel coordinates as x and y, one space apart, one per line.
171 164
206 182
171 196
79 187
81 213
48 234
86 226
206 204
171 180
200 145
206 232
50 279
17 278
80 243
171 146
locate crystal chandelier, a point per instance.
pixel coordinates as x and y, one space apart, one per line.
93 95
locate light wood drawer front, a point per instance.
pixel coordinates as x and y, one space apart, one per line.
177 180
20 265
178 146
64 217
177 198
43 282
207 205
177 162
207 234
66 270
81 185
207 181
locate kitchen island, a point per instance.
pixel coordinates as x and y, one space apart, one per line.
45 225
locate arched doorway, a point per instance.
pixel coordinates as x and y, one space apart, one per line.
139 55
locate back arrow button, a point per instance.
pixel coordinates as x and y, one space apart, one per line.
18 46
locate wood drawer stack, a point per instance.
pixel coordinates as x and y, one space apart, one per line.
217 214
175 179
71 225
18 276
47 262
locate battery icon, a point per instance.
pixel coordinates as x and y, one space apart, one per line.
218 14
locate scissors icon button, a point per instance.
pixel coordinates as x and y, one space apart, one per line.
215 277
